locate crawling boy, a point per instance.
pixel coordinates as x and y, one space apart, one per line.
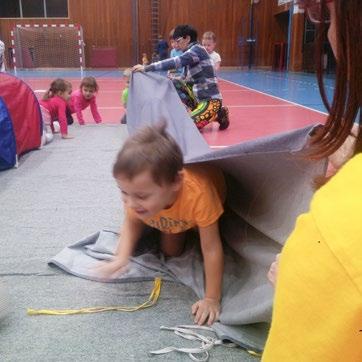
159 191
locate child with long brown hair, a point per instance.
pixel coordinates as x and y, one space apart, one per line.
317 312
53 107
83 97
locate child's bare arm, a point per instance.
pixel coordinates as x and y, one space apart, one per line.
208 309
94 109
129 235
78 110
217 66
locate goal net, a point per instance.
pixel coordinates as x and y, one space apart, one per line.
47 46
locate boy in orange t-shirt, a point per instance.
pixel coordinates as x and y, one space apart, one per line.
158 191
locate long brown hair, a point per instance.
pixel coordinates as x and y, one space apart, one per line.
347 98
56 86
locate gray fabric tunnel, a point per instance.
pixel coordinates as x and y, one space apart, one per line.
269 185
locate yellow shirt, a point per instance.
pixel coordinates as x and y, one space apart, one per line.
199 203
317 314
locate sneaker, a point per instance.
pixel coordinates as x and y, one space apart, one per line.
223 118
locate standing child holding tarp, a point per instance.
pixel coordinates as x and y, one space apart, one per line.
198 89
53 107
83 97
124 97
158 191
175 52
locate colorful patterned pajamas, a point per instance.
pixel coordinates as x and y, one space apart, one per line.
203 112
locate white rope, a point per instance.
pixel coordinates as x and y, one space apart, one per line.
199 354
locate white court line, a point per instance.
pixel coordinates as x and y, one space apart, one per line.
235 90
112 91
110 107
102 91
262 105
269 95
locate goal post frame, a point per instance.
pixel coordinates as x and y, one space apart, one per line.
80 43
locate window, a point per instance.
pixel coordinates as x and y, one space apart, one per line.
9 9
34 9
57 8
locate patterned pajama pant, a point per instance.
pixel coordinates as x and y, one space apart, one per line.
203 112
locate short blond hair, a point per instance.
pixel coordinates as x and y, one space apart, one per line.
209 35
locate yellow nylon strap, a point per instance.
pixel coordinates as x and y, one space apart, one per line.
152 300
253 353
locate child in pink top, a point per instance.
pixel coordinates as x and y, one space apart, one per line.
84 97
53 107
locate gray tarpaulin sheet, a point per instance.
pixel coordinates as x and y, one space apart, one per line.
269 185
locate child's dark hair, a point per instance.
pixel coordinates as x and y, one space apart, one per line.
56 86
209 35
153 149
89 82
182 31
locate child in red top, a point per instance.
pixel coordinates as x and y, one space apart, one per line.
53 107
84 97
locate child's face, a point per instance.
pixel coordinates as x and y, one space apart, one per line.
144 196
66 94
174 44
88 92
209 45
182 43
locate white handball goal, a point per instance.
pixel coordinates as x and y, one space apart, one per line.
47 46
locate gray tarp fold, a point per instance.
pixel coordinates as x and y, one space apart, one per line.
269 185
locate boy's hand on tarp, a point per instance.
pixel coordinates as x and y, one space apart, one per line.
138 68
111 269
206 310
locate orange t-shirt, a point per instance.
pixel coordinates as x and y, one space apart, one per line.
199 203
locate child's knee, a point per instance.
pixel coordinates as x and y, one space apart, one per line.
172 245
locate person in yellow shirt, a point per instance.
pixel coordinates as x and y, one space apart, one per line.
159 191
317 312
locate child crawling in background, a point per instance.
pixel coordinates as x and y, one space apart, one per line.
53 108
84 97
159 191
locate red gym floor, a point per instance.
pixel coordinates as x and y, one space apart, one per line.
252 113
